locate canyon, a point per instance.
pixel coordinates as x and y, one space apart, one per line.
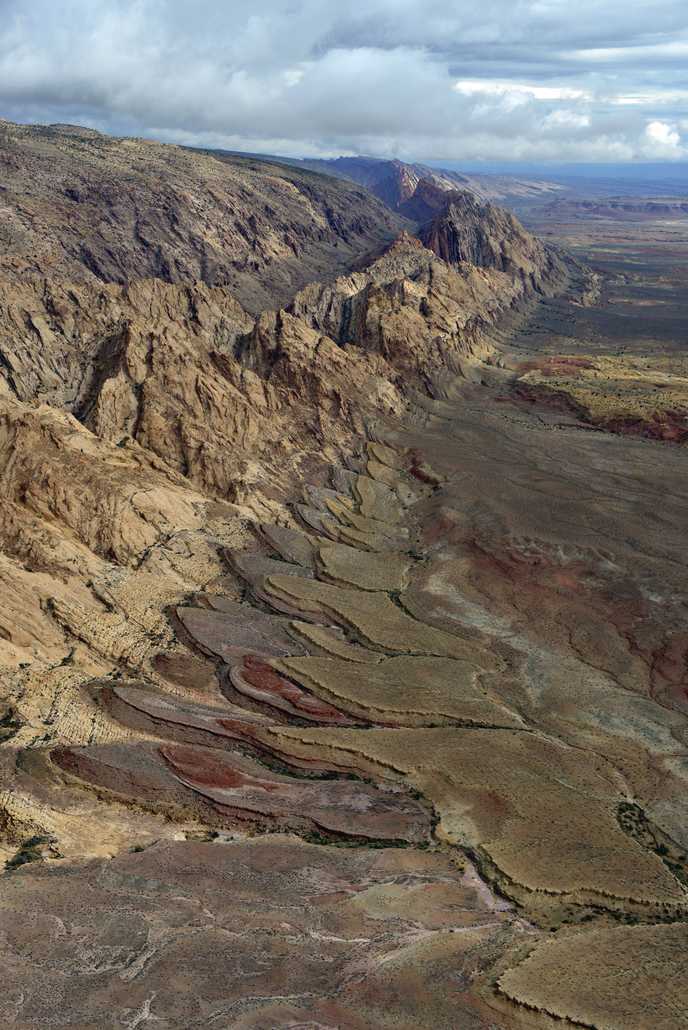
343 639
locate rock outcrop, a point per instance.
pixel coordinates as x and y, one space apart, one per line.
466 231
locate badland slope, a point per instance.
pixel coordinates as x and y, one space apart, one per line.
617 208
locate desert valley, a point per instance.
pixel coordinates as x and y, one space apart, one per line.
343 606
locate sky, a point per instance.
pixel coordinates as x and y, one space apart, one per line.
460 80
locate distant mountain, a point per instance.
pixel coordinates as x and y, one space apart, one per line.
395 182
617 208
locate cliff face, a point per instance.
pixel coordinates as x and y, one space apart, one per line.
395 182
464 230
427 199
392 181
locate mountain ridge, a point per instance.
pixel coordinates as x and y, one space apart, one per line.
88 207
270 590
395 181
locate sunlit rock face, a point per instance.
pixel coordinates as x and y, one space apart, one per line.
461 229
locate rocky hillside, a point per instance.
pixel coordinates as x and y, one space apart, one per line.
188 374
119 305
464 230
139 389
84 208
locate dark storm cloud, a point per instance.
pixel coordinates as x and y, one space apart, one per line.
501 79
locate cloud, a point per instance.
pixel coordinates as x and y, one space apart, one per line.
506 79
471 87
671 50
562 118
653 98
664 138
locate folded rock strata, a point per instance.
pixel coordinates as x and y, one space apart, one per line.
332 641
408 690
257 680
545 815
232 634
377 620
349 566
219 787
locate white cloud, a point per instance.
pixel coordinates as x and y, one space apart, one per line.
506 79
562 118
293 76
651 98
473 87
666 137
671 50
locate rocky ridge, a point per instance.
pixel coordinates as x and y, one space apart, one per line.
395 182
146 424
81 207
463 230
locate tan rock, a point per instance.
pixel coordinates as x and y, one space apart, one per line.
375 618
610 977
403 691
349 566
